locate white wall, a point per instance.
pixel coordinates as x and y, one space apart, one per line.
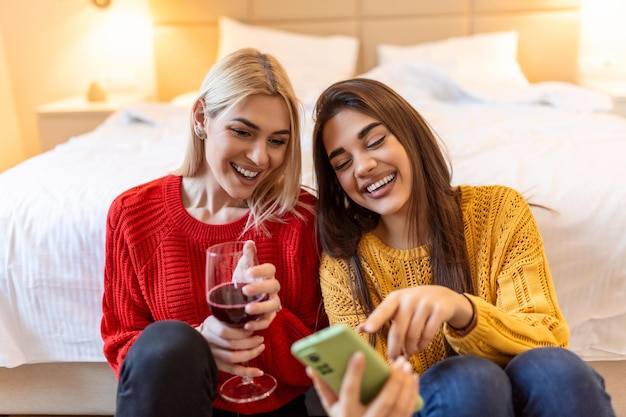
55 48
10 141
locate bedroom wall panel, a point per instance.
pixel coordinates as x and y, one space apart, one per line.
322 28
186 11
548 42
272 10
525 5
181 67
377 8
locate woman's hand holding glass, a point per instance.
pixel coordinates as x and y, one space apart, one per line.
263 282
243 297
232 346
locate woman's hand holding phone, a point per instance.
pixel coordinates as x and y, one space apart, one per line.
397 397
353 380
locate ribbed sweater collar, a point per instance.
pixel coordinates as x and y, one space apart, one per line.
191 226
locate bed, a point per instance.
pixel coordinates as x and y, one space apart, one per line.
516 118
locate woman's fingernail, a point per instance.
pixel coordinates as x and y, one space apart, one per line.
407 367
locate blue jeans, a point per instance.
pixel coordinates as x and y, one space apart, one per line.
550 382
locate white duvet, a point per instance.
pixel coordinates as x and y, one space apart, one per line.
549 141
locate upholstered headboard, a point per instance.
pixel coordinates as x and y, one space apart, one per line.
186 31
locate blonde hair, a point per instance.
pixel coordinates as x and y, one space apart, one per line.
238 75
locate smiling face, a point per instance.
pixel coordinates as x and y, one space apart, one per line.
246 143
371 165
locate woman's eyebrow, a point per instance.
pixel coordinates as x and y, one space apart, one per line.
246 122
335 153
367 129
362 133
255 127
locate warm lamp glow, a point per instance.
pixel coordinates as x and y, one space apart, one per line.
602 46
119 42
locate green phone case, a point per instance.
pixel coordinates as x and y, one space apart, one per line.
327 352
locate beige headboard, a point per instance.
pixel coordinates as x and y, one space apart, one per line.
185 31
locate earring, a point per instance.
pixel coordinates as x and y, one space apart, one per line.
199 132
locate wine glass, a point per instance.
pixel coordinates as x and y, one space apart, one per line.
226 265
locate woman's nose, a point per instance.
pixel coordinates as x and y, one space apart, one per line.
364 165
258 153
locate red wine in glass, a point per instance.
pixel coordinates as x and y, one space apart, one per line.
226 276
228 302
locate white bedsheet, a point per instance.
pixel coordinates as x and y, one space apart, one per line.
53 212
560 155
570 168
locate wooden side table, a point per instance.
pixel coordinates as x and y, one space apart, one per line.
60 120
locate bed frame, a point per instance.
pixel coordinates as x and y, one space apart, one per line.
185 46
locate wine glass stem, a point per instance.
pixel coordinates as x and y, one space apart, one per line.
246 379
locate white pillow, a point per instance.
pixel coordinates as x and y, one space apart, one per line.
187 99
484 64
312 62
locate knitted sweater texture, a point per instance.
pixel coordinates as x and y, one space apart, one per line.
155 270
515 304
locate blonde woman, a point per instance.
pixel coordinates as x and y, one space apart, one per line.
240 180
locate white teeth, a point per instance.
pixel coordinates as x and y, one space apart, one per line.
380 183
245 172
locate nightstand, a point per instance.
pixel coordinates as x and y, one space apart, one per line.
60 120
615 88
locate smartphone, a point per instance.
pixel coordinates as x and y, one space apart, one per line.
328 351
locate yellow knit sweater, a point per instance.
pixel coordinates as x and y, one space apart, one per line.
516 304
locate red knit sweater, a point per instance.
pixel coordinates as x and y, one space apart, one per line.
154 270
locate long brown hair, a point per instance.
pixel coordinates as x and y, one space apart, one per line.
341 222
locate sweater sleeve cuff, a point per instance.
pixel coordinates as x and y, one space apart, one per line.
470 326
